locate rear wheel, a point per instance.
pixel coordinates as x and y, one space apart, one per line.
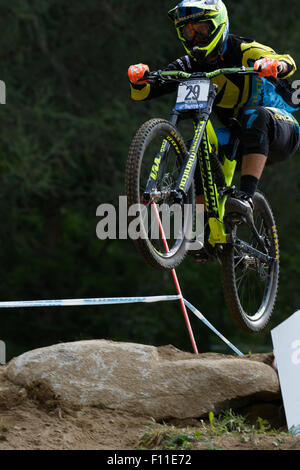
157 148
249 283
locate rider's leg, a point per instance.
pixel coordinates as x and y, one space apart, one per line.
252 168
253 164
257 130
265 132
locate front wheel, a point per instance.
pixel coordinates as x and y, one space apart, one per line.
249 283
157 153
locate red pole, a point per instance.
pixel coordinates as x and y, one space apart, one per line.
185 314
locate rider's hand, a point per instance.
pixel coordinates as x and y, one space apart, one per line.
267 67
136 72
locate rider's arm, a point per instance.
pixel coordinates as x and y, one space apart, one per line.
139 87
139 92
254 51
142 92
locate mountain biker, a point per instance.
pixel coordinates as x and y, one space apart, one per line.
262 103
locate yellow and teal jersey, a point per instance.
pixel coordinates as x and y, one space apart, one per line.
235 92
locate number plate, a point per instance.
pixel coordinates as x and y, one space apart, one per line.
192 94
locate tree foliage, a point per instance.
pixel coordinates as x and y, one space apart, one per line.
64 137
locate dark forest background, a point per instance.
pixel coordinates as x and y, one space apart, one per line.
64 137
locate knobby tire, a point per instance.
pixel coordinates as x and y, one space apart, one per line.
150 130
255 321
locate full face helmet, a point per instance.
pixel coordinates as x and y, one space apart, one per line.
202 27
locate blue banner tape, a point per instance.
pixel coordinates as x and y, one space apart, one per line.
207 323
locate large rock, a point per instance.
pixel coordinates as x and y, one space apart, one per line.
159 382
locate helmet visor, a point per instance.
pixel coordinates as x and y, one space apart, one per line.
196 33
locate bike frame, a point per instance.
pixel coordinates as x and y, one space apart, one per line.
203 143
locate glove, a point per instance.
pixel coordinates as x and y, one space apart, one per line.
135 72
267 67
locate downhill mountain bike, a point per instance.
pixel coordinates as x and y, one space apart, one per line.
161 169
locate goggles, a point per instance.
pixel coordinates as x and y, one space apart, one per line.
196 33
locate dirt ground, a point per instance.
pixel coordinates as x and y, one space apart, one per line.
33 419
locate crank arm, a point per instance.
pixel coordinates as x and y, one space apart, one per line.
250 222
258 237
253 251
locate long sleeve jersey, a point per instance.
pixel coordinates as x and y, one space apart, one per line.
235 92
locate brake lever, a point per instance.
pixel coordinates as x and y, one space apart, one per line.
279 70
156 77
247 72
150 77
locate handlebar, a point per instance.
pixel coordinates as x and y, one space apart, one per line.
209 75
178 75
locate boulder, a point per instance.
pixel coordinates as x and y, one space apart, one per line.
161 382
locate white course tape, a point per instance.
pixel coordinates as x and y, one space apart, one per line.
96 301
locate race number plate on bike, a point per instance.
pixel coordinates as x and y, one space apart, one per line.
192 94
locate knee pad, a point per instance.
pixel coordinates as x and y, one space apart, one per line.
256 130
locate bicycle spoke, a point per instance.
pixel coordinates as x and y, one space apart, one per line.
252 275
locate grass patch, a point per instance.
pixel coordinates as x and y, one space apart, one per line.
164 436
232 422
209 434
